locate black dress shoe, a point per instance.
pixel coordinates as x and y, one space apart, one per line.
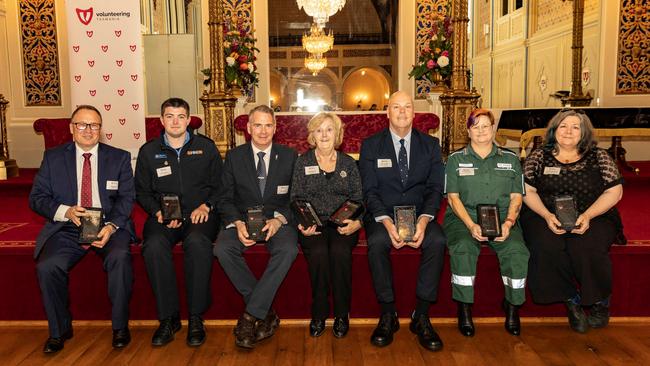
512 323
316 327
598 316
53 345
121 337
427 336
195 331
165 332
383 334
266 327
341 326
245 331
577 317
465 323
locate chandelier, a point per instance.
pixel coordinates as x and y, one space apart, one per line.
315 63
321 10
316 41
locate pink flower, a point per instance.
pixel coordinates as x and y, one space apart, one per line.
431 64
445 53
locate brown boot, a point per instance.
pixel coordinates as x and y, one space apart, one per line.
245 331
266 327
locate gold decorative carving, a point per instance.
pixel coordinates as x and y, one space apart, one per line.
551 13
240 9
40 54
424 11
8 167
576 98
633 70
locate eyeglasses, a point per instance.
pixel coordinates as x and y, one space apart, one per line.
81 126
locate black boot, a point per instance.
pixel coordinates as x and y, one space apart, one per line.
577 317
465 323
598 315
512 323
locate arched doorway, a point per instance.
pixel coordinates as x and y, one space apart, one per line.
364 87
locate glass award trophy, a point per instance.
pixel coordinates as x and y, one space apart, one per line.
170 208
488 219
255 222
405 222
348 210
566 212
305 213
91 224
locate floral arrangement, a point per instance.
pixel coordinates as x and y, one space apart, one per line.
239 50
435 56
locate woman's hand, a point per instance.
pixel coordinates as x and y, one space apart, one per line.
505 231
582 224
476 232
310 231
554 224
350 228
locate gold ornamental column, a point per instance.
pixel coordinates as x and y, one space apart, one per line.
458 101
218 102
576 98
8 167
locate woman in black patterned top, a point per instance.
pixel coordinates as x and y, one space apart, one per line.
327 178
572 266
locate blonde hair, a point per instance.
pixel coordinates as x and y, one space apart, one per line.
318 120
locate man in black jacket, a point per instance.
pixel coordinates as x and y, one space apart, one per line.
257 175
188 166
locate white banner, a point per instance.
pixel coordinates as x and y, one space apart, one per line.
106 67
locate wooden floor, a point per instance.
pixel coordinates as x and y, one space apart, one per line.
542 343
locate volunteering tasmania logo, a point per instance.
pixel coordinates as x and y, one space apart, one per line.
84 15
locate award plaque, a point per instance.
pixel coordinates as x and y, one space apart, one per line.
255 222
91 224
488 219
405 222
305 213
348 210
566 212
170 208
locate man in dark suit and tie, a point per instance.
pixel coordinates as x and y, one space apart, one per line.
401 166
73 177
257 175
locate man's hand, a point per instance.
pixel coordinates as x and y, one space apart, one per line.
392 233
350 228
174 224
309 231
73 213
420 230
242 233
104 234
272 226
200 214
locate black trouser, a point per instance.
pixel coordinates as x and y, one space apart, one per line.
329 259
197 247
433 254
60 253
559 264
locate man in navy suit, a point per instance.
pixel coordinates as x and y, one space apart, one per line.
73 177
401 166
257 174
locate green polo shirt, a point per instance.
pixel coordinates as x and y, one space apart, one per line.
484 181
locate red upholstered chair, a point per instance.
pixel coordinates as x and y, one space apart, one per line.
55 130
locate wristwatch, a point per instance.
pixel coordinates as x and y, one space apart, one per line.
115 227
209 206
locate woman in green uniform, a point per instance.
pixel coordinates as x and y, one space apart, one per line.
484 174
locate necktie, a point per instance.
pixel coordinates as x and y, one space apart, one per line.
261 171
402 163
86 185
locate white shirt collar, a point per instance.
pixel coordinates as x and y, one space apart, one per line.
79 151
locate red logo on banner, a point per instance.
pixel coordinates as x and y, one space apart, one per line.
134 77
77 78
109 136
135 106
132 47
119 63
136 135
92 92
75 48
91 63
107 107
104 48
84 15
118 33
120 92
89 34
122 121
106 77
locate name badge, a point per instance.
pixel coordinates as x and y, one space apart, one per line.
465 165
195 152
112 185
165 171
465 171
283 189
504 165
384 163
310 170
552 170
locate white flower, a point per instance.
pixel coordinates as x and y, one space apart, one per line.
230 60
443 61
250 66
435 37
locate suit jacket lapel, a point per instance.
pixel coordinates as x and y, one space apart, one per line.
102 165
71 169
249 166
415 153
271 174
389 149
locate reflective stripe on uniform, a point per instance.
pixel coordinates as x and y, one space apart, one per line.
516 283
462 280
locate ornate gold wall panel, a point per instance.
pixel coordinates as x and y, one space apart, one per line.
550 13
241 9
40 55
633 71
423 13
